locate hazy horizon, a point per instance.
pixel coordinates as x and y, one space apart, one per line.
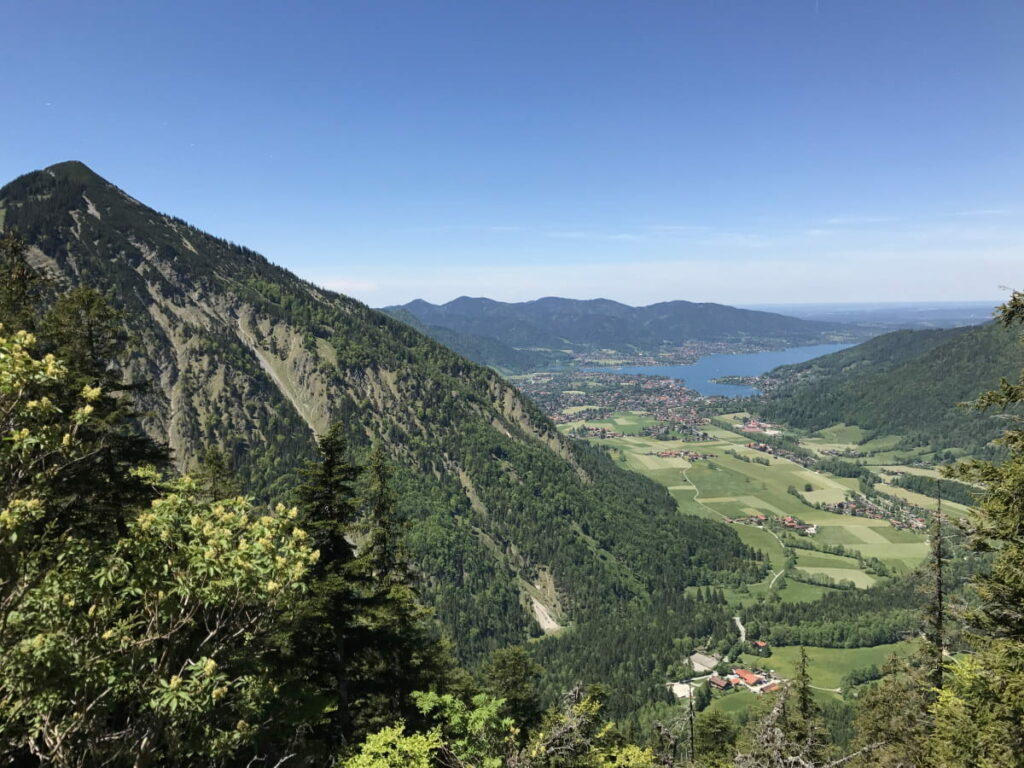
741 152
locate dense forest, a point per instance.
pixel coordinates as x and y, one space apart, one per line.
905 383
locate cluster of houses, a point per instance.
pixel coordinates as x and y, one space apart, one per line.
758 518
782 453
755 682
904 517
689 455
790 522
753 425
796 525
599 433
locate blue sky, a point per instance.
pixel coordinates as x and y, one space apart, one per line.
747 152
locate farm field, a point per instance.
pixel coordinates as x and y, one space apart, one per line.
727 486
827 667
732 484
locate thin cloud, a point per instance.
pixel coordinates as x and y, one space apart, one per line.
986 212
842 221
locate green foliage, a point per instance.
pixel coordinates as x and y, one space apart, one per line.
391 747
905 383
477 733
147 646
511 675
715 737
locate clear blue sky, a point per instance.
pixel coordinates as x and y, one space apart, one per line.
747 152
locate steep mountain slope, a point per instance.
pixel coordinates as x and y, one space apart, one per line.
555 323
905 383
508 519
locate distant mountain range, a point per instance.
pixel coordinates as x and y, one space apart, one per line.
562 327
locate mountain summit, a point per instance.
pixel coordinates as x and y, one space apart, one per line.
514 529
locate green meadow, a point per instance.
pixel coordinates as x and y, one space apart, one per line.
827 666
726 486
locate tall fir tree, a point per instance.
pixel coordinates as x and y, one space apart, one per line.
321 643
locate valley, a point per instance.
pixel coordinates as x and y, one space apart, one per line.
718 473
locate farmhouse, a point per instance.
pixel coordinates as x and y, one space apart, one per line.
747 677
719 683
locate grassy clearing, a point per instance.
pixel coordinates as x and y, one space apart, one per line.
840 435
734 702
860 579
806 558
828 666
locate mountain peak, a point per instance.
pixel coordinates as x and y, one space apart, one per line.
75 170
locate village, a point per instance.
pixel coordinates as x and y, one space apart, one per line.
723 677
564 396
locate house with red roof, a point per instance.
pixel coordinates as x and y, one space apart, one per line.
747 677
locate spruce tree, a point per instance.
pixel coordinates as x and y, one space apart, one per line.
324 617
395 646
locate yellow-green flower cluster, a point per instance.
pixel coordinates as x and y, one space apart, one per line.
17 514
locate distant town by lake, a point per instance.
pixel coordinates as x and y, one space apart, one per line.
701 374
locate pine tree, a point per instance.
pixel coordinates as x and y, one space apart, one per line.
81 329
321 643
23 289
395 647
511 674
935 609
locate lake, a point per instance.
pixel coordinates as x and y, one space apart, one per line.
699 375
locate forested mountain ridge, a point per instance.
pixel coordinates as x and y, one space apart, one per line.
906 383
485 350
557 323
504 513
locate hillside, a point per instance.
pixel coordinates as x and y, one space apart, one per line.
484 350
510 523
906 383
570 324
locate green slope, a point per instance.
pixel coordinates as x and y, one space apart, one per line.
503 511
907 383
483 350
